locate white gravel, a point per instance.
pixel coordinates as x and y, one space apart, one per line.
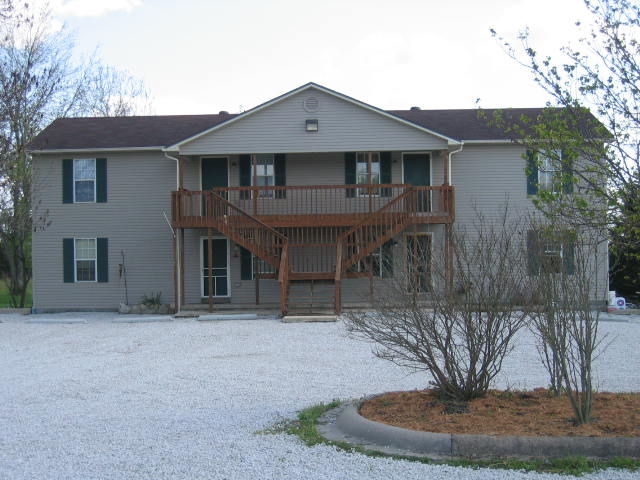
96 399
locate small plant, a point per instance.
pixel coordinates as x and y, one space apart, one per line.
152 301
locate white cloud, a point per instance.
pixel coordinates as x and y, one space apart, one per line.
91 8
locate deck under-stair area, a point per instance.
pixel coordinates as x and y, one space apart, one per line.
311 237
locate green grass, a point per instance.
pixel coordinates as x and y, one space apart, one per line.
5 298
305 428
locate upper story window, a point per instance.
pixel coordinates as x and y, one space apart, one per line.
548 171
84 180
264 174
367 171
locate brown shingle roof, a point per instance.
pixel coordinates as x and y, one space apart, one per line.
163 131
122 132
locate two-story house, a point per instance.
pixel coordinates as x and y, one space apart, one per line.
296 204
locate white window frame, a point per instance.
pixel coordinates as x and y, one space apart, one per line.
76 161
268 160
550 171
375 160
76 259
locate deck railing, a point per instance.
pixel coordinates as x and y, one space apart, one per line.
191 207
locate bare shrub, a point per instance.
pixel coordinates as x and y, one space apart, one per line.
565 264
461 335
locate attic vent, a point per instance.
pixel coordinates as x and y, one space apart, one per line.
311 104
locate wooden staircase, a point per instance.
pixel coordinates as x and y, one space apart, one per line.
316 290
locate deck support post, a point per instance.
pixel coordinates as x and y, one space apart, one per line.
448 251
181 250
210 267
176 273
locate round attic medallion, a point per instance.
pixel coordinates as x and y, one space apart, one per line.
311 104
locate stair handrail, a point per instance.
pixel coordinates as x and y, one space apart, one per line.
369 220
223 205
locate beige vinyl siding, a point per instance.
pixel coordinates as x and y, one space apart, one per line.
132 219
343 126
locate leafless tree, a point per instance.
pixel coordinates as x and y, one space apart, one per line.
564 263
39 81
460 337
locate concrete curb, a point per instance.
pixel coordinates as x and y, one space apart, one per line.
345 424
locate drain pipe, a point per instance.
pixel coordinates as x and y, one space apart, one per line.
178 253
450 155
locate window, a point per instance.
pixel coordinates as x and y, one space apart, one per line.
84 180
378 263
85 260
251 265
364 168
367 172
548 171
264 174
264 170
550 252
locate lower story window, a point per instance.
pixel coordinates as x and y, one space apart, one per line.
85 259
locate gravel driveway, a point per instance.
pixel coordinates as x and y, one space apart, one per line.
183 399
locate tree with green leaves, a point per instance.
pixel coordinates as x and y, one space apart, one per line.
597 87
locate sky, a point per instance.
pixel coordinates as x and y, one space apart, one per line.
204 56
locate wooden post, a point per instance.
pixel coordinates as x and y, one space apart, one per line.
445 165
181 173
210 267
176 273
181 250
448 251
254 182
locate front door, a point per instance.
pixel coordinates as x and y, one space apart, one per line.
417 172
215 173
220 270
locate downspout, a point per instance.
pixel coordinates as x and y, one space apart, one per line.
178 253
450 155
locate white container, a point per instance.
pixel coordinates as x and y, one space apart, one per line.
612 298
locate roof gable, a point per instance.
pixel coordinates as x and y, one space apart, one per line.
344 125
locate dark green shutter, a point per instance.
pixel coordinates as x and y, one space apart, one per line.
102 250
246 267
568 256
532 173
280 171
350 172
387 259
67 181
533 252
244 167
385 172
101 180
68 260
567 172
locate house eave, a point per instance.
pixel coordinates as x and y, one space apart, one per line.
92 150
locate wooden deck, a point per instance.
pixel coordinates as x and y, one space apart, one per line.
312 206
